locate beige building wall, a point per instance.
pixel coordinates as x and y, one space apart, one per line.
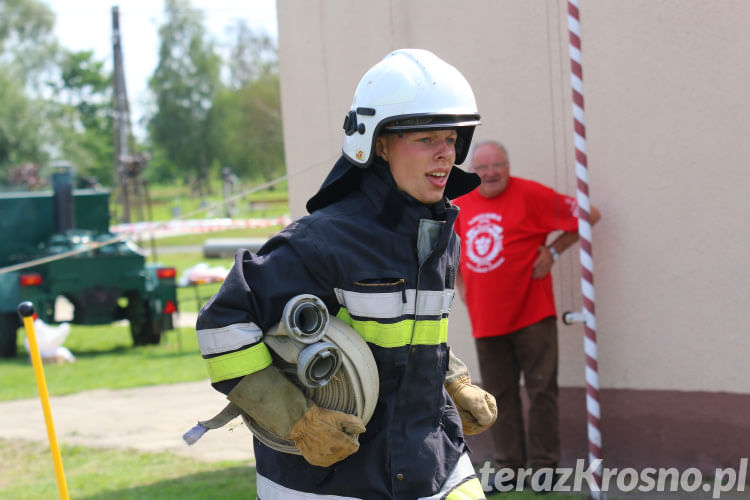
668 120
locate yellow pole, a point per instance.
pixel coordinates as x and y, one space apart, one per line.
26 310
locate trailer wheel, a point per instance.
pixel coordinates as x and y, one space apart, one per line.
9 324
144 327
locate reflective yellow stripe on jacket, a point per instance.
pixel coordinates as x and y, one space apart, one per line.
469 490
398 334
238 364
238 360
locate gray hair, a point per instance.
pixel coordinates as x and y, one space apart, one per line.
476 145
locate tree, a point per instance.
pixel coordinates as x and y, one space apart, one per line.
27 48
247 126
83 118
20 126
27 43
246 115
251 55
184 83
54 104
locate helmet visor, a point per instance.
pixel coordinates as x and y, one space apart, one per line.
423 122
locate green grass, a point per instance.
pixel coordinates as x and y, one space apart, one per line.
167 193
99 474
177 200
106 358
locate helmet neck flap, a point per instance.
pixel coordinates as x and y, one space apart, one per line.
345 177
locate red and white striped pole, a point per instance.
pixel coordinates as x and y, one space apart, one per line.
587 262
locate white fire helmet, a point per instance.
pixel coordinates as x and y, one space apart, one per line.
409 90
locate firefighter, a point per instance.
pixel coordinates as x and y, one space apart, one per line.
379 249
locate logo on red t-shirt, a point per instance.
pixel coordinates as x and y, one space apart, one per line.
572 206
484 242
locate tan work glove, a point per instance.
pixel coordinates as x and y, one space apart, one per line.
476 407
326 436
323 436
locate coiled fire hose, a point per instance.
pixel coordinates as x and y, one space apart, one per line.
326 358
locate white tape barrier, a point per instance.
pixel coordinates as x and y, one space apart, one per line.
190 226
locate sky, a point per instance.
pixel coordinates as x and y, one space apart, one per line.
87 25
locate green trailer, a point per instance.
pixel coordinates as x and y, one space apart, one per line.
104 284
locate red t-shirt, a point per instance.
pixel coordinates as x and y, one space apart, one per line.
500 239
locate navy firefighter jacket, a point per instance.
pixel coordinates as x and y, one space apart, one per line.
360 254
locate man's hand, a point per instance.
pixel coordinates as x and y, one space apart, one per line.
476 407
326 436
543 263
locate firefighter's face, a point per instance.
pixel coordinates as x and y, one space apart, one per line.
420 161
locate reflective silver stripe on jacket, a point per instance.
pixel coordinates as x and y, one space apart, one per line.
228 338
460 473
268 490
392 305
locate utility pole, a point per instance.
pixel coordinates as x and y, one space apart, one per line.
122 115
128 165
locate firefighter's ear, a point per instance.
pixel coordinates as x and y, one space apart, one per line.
381 148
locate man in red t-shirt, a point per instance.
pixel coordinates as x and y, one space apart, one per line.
507 287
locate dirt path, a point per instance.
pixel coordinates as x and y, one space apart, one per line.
148 419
